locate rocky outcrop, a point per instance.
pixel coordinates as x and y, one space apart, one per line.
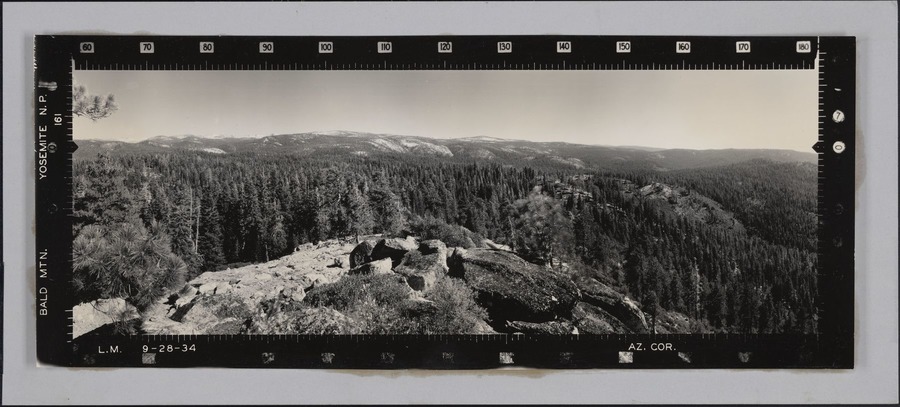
544 328
214 296
511 288
305 286
393 248
617 305
89 316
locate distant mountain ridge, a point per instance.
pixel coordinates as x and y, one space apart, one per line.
480 148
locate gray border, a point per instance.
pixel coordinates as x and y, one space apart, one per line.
874 379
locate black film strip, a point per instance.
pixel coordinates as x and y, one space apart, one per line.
57 58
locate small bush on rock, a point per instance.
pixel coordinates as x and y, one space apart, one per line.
456 311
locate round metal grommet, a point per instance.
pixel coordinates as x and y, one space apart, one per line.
837 116
838 147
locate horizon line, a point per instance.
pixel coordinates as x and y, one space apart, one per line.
336 133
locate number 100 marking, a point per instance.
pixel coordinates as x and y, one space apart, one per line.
326 48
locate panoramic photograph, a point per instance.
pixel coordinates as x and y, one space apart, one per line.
444 202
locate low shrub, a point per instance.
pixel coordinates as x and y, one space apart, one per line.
225 305
353 290
383 304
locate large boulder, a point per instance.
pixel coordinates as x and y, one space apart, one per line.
512 289
433 246
591 319
89 316
362 253
422 270
393 248
373 267
546 328
197 314
617 305
218 313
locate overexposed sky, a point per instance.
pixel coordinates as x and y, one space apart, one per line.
666 109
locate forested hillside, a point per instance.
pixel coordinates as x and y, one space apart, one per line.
730 246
